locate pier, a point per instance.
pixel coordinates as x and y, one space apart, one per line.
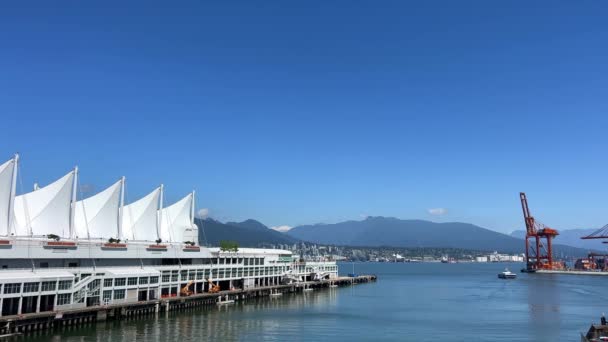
573 272
27 323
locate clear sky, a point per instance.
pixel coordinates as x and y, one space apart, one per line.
317 111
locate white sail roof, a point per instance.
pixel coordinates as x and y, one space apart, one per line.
6 183
139 219
47 210
175 219
97 216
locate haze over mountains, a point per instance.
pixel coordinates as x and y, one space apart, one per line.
388 231
249 233
375 232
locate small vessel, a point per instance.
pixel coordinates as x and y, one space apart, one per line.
506 274
597 332
447 260
224 301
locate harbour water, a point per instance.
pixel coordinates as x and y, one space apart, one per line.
410 302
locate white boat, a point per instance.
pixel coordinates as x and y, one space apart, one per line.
506 274
225 301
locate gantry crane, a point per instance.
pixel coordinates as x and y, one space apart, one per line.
537 257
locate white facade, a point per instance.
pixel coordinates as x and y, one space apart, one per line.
58 252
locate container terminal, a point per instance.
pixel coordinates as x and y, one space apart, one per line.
539 249
66 261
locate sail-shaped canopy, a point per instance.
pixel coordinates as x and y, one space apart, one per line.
175 219
47 210
97 216
139 219
6 184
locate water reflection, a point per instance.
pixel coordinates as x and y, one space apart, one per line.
410 302
268 317
543 293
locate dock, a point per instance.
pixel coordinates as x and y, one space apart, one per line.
31 322
573 272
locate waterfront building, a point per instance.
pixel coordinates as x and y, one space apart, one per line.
59 252
496 257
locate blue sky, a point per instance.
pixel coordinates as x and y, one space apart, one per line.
318 111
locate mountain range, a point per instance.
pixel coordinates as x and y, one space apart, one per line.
249 233
378 232
388 231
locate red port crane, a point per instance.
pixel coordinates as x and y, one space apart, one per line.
537 257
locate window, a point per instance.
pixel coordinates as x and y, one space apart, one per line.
120 281
95 283
246 261
132 281
166 278
192 275
107 296
143 280
64 298
31 287
12 288
199 274
65 284
184 275
44 265
119 294
174 275
93 288
153 280
49 285
107 282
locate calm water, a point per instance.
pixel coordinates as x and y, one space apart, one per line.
410 302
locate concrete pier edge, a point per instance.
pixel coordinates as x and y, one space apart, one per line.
28 323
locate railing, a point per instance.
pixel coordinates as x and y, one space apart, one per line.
158 269
80 289
84 282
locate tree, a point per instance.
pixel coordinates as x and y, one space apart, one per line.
229 246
